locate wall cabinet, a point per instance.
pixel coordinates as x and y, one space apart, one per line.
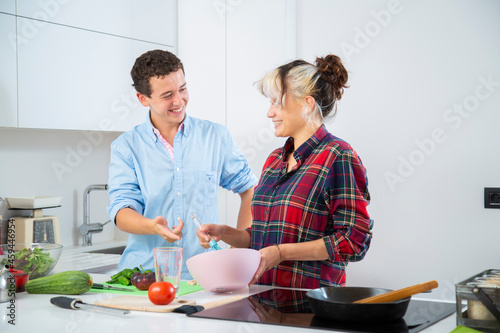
8 77
76 79
74 59
8 6
146 20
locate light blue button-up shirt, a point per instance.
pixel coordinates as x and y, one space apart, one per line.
142 176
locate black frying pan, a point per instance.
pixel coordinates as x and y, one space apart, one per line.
336 303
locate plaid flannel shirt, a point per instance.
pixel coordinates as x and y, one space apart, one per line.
324 196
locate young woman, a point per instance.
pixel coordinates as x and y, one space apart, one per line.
310 207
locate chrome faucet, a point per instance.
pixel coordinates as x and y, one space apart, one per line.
87 228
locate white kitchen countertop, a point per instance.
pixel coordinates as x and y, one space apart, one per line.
35 313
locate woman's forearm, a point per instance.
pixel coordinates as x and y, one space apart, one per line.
274 254
236 237
312 250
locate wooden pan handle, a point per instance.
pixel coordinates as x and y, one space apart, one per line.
396 295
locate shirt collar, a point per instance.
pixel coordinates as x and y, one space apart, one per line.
305 149
184 127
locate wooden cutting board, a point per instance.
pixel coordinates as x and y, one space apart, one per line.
141 303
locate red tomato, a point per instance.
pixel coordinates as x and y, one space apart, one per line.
20 279
161 293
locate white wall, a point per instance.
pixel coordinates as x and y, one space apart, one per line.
58 163
411 64
225 47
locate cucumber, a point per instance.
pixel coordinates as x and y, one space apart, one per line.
64 283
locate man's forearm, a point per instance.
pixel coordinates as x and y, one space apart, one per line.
130 221
245 213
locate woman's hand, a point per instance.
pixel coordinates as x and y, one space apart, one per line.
162 229
215 231
269 257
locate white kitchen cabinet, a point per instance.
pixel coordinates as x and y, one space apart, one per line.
8 6
76 79
8 76
147 20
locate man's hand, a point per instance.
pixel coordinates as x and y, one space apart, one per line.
162 229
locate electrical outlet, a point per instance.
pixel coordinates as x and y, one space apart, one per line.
491 197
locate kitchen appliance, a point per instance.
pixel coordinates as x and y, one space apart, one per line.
3 208
286 307
35 228
478 301
7 285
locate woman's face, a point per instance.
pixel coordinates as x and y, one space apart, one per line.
287 119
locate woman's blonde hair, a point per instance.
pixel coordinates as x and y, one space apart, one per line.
325 82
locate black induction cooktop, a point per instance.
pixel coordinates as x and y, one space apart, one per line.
287 307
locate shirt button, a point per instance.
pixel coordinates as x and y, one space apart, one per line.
267 212
177 169
179 193
177 243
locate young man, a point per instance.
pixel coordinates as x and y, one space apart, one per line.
171 166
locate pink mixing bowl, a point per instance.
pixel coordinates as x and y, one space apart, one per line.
224 270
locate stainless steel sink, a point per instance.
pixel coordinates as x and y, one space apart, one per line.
111 250
88 262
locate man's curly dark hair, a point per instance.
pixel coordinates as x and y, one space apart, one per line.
155 63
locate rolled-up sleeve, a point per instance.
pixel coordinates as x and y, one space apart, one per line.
123 186
236 174
347 198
